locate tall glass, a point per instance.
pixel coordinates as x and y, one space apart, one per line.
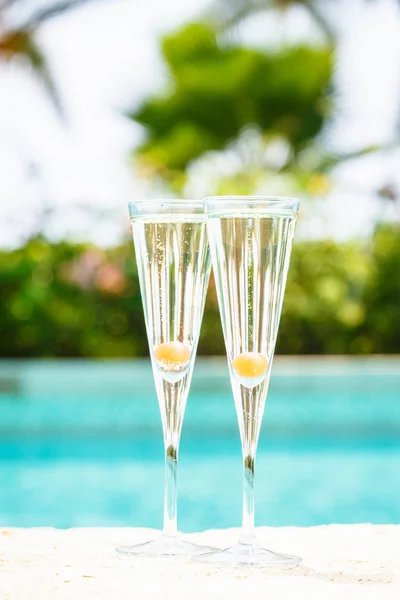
173 260
250 240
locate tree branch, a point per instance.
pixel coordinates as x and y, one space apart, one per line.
234 12
44 14
53 11
318 17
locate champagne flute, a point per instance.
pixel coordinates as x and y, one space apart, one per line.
173 260
250 241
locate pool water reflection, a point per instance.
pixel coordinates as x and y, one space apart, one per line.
80 445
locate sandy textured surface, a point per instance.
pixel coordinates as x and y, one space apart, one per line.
343 562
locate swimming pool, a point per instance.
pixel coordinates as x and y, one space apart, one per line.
81 445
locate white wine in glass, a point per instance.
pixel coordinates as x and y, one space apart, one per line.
173 260
250 240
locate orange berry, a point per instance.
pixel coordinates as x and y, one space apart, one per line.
250 364
172 355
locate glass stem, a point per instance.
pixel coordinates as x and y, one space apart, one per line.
248 535
170 492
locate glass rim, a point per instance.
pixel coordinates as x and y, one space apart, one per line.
175 201
162 208
254 199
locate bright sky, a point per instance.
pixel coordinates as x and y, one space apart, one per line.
104 57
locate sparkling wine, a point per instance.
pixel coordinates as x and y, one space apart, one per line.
251 253
174 266
250 240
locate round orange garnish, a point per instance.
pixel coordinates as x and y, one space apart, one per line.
250 364
172 355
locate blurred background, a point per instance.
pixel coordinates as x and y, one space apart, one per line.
104 101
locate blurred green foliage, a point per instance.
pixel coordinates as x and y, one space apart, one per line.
66 300
215 90
70 300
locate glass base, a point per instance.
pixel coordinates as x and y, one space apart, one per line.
165 546
248 555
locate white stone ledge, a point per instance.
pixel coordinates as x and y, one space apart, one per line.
343 562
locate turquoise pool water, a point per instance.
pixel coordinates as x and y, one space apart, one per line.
81 445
